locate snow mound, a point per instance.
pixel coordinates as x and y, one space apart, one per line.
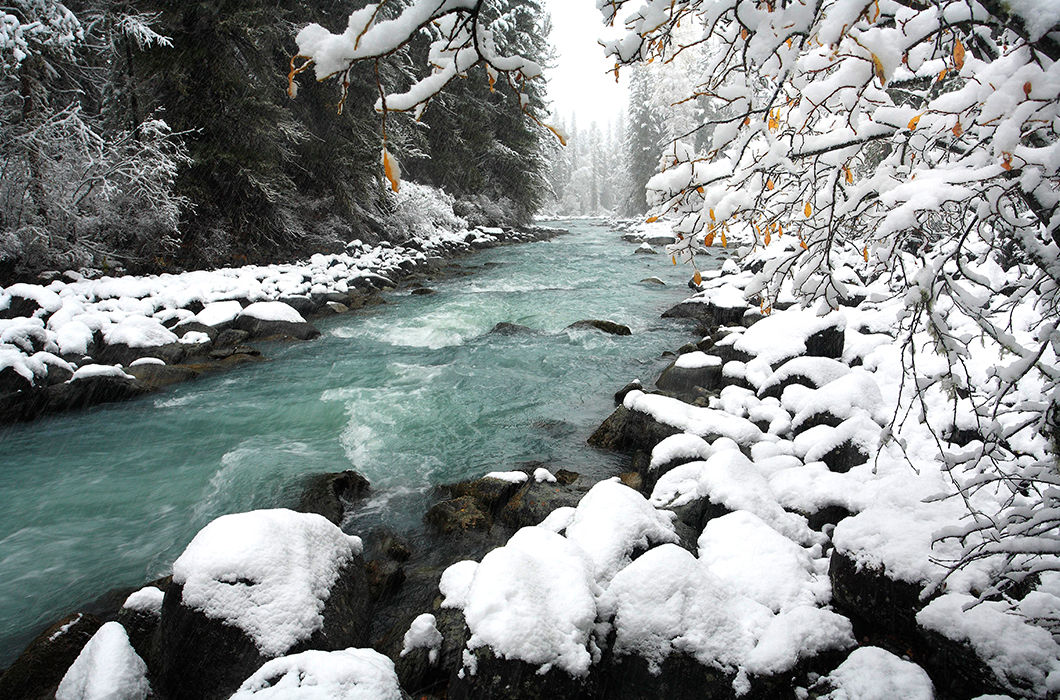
106 668
534 600
89 371
853 393
515 477
139 332
612 521
680 446
819 370
423 634
146 600
544 475
693 419
783 335
1024 657
272 311
218 312
697 360
267 572
870 673
349 674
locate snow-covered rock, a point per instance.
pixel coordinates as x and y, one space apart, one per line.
346 674
106 669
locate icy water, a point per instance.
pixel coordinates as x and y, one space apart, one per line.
413 393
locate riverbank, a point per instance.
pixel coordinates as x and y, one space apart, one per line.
765 540
75 342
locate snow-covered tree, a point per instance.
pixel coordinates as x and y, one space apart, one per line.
920 140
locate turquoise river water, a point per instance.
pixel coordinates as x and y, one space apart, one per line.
412 393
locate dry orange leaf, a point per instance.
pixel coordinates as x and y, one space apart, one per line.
780 230
724 241
712 215
914 121
769 184
877 67
808 210
391 169
957 130
746 121
958 54
942 74
1007 162
849 175
708 240
651 219
699 189
697 278
803 244
1027 89
743 34
768 238
866 253
674 258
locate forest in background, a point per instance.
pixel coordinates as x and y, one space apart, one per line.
158 135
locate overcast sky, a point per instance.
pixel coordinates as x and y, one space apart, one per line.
580 83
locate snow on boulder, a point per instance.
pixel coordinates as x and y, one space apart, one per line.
534 600
794 332
73 337
708 423
258 585
853 393
219 312
423 634
456 582
612 522
347 674
107 668
870 673
1024 659
39 299
683 446
753 558
815 371
797 634
267 572
697 360
93 371
148 600
139 332
272 311
513 477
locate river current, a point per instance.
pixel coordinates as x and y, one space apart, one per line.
412 393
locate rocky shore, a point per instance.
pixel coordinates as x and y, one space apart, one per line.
73 341
766 541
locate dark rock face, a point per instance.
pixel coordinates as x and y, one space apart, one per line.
827 342
957 670
707 313
829 515
141 627
230 337
260 329
620 395
11 382
880 605
627 431
812 421
505 328
422 291
681 676
534 501
199 657
515 680
844 457
489 494
121 354
689 383
158 376
329 494
609 327
90 391
457 515
37 672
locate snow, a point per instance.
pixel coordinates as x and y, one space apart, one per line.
91 371
819 370
753 558
1025 658
349 674
267 572
697 360
146 600
194 338
48 301
611 522
456 582
106 668
139 332
512 477
796 634
272 311
534 599
423 634
219 312
683 446
870 673
693 419
783 335
146 361
542 475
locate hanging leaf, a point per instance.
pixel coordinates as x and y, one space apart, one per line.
1007 162
866 253
780 230
958 54
697 278
807 210
957 129
712 215
942 74
651 219
914 121
743 34
769 184
1027 89
708 240
674 258
877 68
803 244
768 238
724 241
849 175
391 169
699 189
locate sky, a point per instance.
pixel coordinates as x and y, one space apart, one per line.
580 83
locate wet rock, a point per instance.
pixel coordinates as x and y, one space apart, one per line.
505 328
90 391
534 501
626 431
457 515
36 673
565 477
690 383
158 376
653 281
680 677
707 313
620 395
336 307
609 327
957 670
305 305
330 494
632 479
11 382
515 680
645 249
230 337
121 354
260 329
879 605
384 578
827 342
490 494
423 291
190 326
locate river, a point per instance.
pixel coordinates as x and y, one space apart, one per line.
412 393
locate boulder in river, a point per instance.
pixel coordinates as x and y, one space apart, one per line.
330 494
627 431
252 587
609 327
506 328
36 673
691 375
